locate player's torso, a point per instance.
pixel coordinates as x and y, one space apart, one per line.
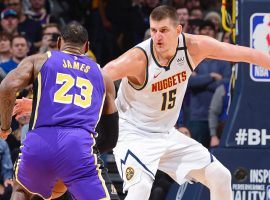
154 106
69 91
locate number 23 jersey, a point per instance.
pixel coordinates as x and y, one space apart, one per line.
68 91
154 106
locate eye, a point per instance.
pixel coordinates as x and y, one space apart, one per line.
164 30
153 30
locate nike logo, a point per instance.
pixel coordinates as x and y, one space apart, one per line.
155 76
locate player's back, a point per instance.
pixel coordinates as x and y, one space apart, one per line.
68 92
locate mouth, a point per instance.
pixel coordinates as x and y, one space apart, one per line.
159 44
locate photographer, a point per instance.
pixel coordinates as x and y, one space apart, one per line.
49 37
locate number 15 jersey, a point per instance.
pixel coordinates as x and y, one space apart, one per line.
68 91
154 106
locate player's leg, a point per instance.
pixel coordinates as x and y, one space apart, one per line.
186 159
34 169
137 159
217 178
142 189
77 165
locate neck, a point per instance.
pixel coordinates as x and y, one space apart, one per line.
72 49
4 56
165 57
16 59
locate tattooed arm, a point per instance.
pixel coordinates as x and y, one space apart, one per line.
16 80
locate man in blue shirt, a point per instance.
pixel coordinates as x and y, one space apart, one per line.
19 48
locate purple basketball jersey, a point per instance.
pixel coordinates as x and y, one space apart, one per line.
69 91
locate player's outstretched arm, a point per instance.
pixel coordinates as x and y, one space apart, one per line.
211 48
130 64
108 125
16 80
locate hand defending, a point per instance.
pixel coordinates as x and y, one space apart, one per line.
22 108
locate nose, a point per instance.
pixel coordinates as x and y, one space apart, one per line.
158 35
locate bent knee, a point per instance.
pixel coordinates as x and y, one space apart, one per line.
220 176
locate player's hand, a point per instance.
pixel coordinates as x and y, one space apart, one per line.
214 141
216 76
4 134
22 108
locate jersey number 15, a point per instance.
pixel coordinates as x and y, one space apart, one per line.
168 101
67 82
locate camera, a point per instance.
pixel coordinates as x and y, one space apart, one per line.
54 37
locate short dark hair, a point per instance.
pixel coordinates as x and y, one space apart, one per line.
74 33
4 36
50 25
163 12
19 36
207 23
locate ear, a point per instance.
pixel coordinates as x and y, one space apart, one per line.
179 29
86 46
59 43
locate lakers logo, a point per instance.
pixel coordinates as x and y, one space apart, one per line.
129 173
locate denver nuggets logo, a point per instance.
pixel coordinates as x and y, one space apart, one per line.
129 173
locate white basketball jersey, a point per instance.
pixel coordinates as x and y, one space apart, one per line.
154 106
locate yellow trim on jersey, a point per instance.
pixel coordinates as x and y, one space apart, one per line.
17 179
99 171
38 100
73 53
49 54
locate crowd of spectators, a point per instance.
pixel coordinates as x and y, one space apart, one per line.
33 26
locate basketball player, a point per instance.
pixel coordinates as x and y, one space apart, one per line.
106 141
155 75
69 94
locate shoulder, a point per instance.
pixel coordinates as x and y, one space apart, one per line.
139 53
37 58
193 41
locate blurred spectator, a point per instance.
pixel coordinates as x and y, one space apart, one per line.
147 9
110 36
5 47
183 18
208 75
27 27
50 34
19 49
215 18
194 25
218 109
226 37
39 13
6 171
196 13
190 4
76 9
218 113
208 28
9 22
175 3
136 24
